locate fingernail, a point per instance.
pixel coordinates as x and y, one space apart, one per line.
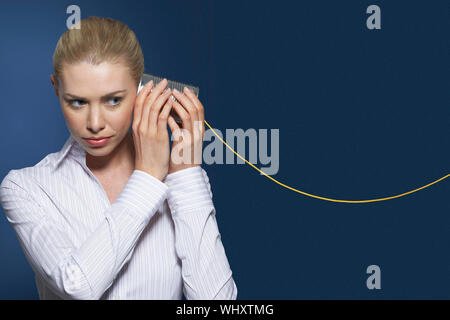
186 89
175 90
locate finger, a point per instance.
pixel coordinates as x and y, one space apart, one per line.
163 116
138 105
173 125
194 99
148 102
187 104
156 91
155 109
199 106
153 95
175 129
184 116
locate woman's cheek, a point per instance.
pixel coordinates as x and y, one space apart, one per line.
123 118
128 113
73 122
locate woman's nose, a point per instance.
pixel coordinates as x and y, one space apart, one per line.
95 122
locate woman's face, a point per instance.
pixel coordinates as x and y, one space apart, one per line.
97 101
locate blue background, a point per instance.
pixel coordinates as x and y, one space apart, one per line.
362 114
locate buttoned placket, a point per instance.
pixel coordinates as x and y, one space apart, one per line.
104 195
80 157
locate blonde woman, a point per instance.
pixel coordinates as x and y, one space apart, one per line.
116 217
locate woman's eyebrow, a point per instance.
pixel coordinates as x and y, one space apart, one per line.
103 97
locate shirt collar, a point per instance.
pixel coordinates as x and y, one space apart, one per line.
71 148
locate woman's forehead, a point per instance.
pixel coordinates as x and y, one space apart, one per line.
84 76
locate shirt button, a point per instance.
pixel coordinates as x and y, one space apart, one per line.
169 183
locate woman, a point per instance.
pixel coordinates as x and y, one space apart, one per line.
118 219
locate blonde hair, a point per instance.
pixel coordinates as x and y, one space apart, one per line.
98 40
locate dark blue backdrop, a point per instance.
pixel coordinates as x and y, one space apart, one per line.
362 114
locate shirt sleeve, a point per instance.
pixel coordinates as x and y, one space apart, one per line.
205 269
86 271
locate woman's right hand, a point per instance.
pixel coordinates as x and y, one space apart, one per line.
150 134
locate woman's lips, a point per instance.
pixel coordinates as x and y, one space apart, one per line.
97 143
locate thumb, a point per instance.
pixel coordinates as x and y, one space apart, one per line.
172 124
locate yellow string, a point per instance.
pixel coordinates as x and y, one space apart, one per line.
323 198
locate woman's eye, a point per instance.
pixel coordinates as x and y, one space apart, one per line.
115 101
78 103
73 103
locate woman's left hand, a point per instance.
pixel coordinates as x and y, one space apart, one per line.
187 146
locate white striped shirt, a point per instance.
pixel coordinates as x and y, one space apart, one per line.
156 241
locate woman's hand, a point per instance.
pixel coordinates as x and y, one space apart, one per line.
187 146
150 134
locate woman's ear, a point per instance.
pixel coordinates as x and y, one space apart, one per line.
55 84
